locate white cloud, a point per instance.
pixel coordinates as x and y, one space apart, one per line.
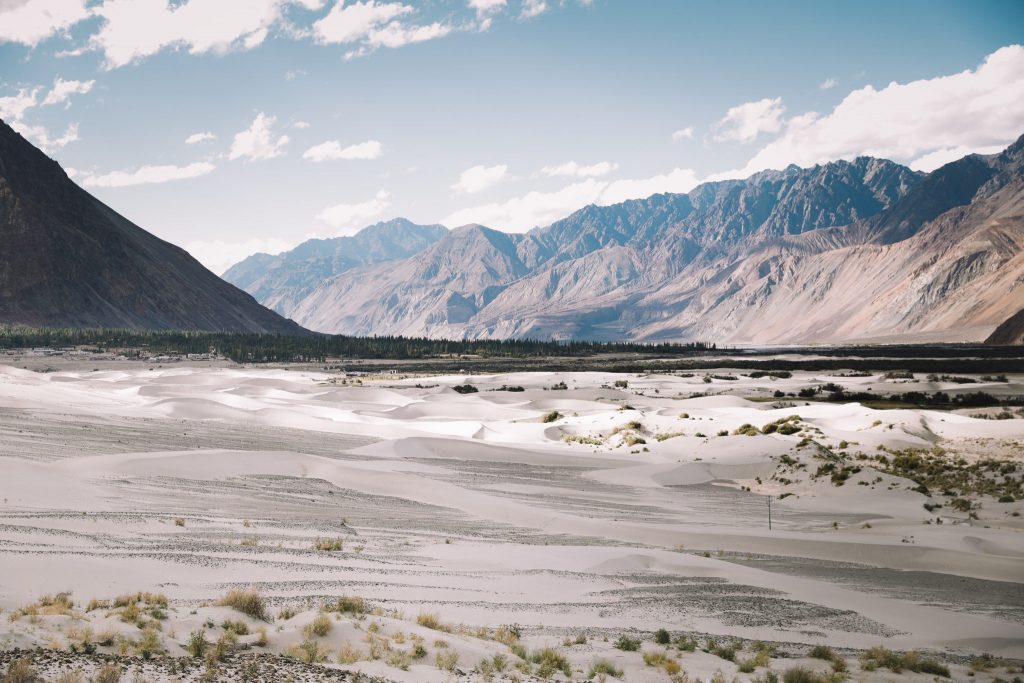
41 137
533 8
33 21
332 150
257 141
396 34
196 138
828 84
135 29
571 168
62 90
744 122
219 255
683 134
541 208
373 25
148 175
345 215
301 125
354 22
13 107
971 111
678 180
487 5
479 178
931 161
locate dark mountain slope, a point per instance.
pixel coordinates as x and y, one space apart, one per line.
1011 331
68 260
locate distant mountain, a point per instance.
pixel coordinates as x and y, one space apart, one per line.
282 281
858 250
68 260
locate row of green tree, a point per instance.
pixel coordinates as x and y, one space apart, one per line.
257 348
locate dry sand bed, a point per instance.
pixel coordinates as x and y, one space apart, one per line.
503 534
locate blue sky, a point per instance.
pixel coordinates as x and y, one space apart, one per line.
318 117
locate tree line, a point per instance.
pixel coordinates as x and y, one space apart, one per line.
268 348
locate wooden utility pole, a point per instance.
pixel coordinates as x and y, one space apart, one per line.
769 513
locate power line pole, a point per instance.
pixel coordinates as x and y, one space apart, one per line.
769 513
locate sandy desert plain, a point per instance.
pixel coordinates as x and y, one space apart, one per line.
207 521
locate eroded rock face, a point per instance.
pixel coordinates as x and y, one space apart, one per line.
866 249
68 260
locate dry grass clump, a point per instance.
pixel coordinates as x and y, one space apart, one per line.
553 416
665 436
248 602
661 660
881 658
320 626
582 439
47 605
150 644
399 659
508 634
108 673
349 654
800 674
240 628
97 603
432 621
746 430
446 660
309 651
549 660
328 545
604 667
348 604
21 671
72 676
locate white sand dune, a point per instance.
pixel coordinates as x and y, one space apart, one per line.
469 505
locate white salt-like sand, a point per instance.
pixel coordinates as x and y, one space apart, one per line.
473 508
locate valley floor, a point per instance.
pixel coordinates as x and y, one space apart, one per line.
469 529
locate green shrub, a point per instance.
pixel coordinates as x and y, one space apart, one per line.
800 674
726 652
627 644
822 652
662 637
553 416
197 644
549 660
239 627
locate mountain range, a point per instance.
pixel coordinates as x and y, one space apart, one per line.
68 260
864 250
